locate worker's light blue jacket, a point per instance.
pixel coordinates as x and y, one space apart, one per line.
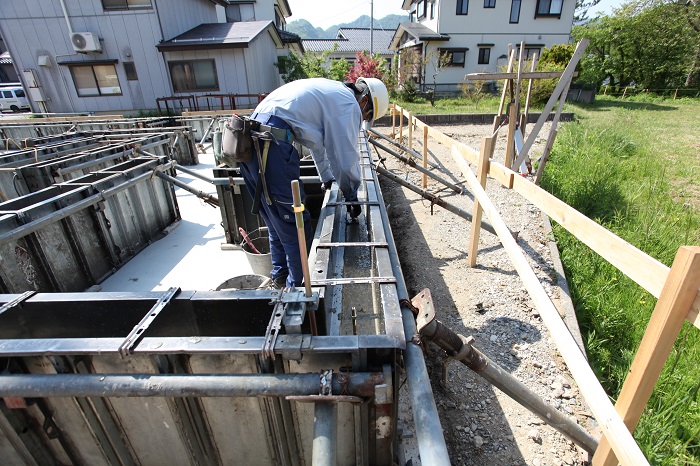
325 117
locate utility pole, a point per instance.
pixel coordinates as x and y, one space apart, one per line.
371 27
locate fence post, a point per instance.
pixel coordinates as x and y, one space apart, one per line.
482 169
625 92
510 144
425 156
401 126
393 120
671 310
410 131
675 94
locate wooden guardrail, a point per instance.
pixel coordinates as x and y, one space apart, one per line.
676 289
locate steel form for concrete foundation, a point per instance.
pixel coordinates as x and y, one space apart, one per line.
229 377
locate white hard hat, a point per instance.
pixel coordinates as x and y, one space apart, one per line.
379 95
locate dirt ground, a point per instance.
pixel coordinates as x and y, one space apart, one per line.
482 425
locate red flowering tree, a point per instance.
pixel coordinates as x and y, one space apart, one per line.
367 66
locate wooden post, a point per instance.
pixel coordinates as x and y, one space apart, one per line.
526 113
482 170
675 94
425 156
666 321
393 121
401 126
625 92
410 131
505 91
510 144
518 81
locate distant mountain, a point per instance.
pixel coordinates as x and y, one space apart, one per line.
306 30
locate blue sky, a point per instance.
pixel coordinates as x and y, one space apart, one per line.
327 13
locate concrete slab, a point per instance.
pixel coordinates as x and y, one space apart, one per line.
190 256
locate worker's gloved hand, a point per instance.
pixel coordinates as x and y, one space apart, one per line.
354 210
326 185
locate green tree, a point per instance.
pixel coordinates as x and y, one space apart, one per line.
339 69
307 65
646 43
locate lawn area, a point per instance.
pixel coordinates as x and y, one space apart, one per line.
633 167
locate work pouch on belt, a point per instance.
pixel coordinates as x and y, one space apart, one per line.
237 143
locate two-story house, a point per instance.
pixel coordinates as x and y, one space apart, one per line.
120 56
474 35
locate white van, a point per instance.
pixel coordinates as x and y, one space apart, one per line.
13 98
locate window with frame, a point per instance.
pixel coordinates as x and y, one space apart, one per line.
96 80
453 57
484 55
130 70
549 7
193 75
528 52
421 9
432 10
515 11
126 4
462 7
489 3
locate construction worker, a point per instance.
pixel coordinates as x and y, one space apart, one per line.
325 116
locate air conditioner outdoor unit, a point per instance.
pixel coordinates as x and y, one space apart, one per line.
85 42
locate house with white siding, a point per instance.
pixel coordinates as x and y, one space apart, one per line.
120 56
474 35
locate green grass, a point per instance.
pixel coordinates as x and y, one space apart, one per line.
452 105
633 167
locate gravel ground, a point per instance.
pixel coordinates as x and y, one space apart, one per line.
482 425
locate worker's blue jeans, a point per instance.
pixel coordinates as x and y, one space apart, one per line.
281 169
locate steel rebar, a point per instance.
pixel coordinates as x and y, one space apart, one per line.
434 199
412 163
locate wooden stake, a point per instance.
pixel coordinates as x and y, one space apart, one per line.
401 126
425 156
393 121
598 401
482 170
510 147
665 324
526 113
506 83
556 94
410 131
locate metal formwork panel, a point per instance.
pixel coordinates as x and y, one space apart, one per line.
209 376
70 236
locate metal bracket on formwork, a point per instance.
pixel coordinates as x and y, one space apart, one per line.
131 340
17 302
384 393
273 330
296 304
326 391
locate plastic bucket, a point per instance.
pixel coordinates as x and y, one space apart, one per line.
260 263
243 282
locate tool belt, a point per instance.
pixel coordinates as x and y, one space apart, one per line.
237 141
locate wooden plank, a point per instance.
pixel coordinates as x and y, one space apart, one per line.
679 292
482 169
610 422
556 94
425 156
510 143
497 120
526 113
694 314
649 273
512 75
